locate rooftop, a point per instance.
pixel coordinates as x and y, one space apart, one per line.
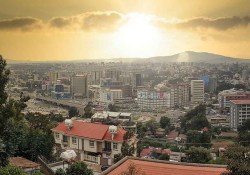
23 163
90 130
157 167
240 101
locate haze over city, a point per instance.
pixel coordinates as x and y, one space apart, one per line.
82 29
124 87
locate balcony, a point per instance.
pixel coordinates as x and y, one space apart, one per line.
107 150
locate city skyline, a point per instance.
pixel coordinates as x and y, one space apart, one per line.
78 30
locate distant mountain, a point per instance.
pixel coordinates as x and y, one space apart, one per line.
190 56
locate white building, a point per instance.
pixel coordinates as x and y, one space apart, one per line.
92 142
153 99
109 95
245 75
197 91
239 112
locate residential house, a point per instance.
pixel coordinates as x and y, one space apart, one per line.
92 142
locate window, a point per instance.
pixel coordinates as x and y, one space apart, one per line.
73 140
65 139
57 135
115 146
91 144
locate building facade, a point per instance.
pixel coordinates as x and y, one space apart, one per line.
179 94
239 112
197 91
92 142
79 85
153 99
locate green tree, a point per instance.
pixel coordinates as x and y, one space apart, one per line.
79 168
38 120
197 155
197 139
152 126
4 157
219 160
73 112
4 77
113 108
117 157
11 170
244 133
60 171
238 160
165 122
164 157
88 111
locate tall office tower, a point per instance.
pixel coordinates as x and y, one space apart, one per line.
113 74
138 80
245 75
197 91
35 77
96 77
179 94
79 86
53 76
212 86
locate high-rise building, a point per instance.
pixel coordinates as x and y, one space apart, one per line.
53 76
179 94
35 77
113 74
138 80
239 112
96 77
212 86
79 85
245 75
197 91
225 96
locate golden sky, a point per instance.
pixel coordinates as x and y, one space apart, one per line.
104 29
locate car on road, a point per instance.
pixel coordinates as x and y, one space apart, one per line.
104 167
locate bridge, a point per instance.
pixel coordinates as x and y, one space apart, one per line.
62 103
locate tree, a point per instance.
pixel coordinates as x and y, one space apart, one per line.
60 171
198 155
4 157
219 160
113 108
165 122
38 120
88 111
4 77
164 156
238 160
11 170
73 112
152 125
117 157
78 168
197 139
133 170
244 133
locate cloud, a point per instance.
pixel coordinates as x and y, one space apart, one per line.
91 21
220 24
23 24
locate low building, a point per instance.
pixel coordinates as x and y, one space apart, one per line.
28 166
159 167
92 142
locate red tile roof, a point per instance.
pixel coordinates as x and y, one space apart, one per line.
150 167
22 163
241 101
204 129
147 152
172 135
90 130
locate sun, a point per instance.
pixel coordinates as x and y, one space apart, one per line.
137 34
